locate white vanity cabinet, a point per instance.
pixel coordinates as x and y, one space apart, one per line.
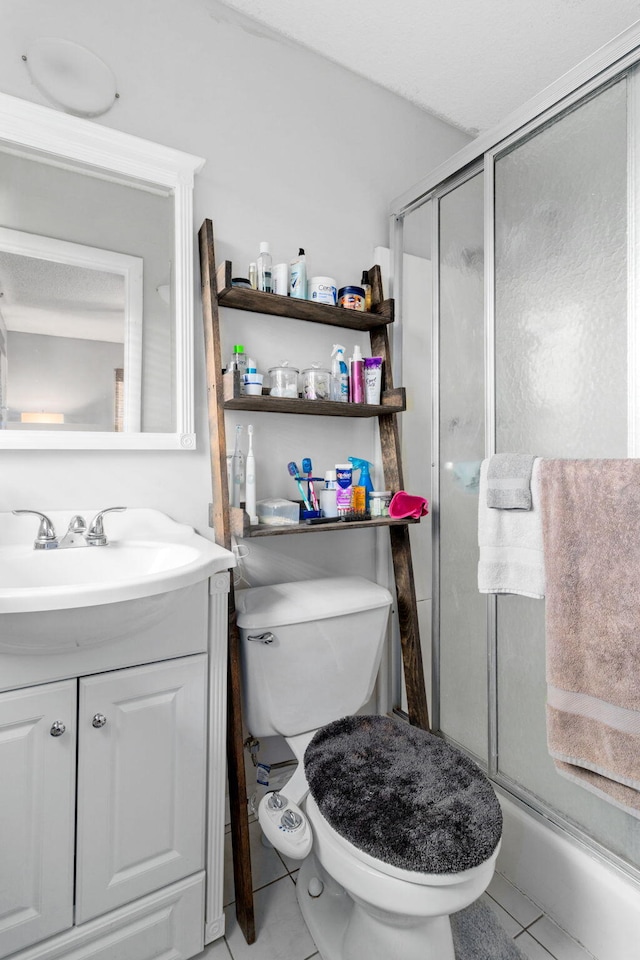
112 790
37 806
141 782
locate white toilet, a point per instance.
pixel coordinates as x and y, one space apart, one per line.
405 829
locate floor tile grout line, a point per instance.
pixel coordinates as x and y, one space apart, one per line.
502 906
579 945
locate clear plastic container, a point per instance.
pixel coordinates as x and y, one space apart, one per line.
379 501
278 513
316 383
284 381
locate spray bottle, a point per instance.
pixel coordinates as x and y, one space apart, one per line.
237 469
365 476
339 375
250 495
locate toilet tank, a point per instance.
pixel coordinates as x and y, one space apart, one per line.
323 657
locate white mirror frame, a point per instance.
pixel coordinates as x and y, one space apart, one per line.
70 141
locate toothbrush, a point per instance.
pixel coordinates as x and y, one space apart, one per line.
250 481
292 467
237 469
308 469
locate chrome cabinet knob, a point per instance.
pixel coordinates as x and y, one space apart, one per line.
99 720
57 728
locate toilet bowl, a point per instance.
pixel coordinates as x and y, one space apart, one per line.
405 828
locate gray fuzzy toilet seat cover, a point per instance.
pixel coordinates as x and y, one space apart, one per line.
403 795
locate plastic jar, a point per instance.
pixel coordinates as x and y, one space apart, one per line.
379 501
316 384
284 381
353 298
322 290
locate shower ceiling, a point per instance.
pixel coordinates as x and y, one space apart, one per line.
470 63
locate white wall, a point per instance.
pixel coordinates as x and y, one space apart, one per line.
298 150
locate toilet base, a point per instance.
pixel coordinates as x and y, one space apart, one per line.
343 930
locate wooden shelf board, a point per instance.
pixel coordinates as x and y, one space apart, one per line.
241 528
318 408
241 298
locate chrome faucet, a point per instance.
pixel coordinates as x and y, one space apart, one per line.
95 536
46 538
76 536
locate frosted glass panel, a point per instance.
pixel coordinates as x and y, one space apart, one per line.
463 645
561 385
560 286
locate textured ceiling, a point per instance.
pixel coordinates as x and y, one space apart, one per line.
470 62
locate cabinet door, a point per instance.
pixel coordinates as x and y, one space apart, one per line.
141 782
37 809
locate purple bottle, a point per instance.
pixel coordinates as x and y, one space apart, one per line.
356 377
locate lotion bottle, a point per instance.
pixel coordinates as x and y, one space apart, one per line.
298 276
356 376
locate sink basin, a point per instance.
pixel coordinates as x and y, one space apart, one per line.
148 554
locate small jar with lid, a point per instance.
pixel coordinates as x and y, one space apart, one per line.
284 381
316 383
379 501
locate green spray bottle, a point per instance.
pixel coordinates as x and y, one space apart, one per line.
365 476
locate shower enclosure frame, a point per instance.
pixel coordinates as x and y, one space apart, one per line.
605 67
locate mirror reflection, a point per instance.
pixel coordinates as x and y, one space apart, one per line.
70 327
87 336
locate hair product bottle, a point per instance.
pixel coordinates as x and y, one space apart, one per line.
356 376
366 286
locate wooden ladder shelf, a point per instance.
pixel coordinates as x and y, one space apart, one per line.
228 521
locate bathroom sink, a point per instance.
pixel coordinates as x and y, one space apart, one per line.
148 554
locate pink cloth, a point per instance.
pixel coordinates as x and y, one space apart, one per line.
405 504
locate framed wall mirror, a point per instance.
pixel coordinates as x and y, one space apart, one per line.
96 286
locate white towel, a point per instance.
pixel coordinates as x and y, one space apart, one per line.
511 550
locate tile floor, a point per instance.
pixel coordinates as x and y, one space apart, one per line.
282 934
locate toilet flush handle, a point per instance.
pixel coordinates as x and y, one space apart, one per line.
263 637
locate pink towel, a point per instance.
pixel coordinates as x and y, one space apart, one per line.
405 504
591 529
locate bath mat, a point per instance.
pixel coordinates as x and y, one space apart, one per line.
477 935
403 795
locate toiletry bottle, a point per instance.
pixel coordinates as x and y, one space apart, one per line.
239 362
356 376
298 281
328 495
264 268
339 375
237 470
250 481
366 286
253 275
344 489
364 480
